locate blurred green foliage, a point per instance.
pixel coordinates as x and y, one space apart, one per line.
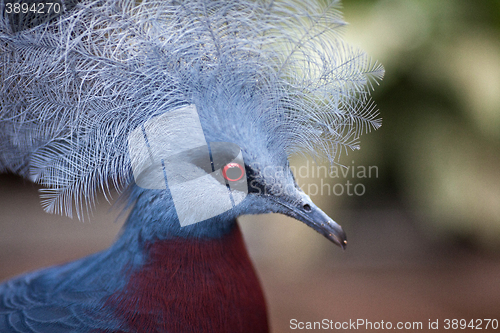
439 146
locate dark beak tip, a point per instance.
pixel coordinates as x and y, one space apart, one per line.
342 243
338 238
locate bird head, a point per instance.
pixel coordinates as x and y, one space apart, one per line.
159 96
213 182
272 188
263 182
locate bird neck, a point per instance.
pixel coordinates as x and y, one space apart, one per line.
153 217
188 280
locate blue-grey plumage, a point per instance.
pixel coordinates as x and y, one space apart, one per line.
272 78
64 298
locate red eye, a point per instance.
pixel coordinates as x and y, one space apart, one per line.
233 172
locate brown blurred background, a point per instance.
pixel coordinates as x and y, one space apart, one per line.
424 238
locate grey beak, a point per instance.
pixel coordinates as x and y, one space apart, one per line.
314 217
322 223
